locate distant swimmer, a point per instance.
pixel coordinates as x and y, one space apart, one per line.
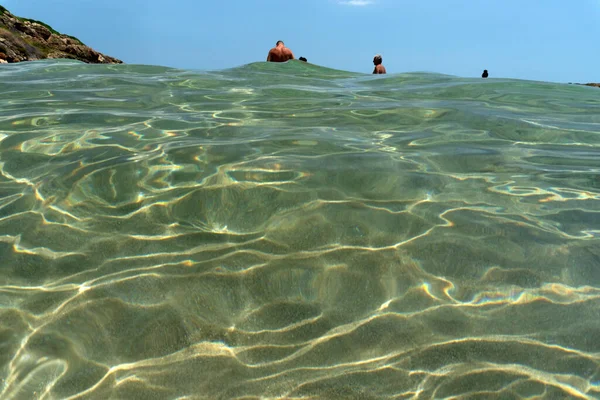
379 68
303 59
485 74
280 53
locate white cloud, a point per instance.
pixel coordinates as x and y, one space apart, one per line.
359 3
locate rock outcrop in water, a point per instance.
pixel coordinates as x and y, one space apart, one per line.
23 39
586 84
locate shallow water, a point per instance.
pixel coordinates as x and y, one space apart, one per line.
290 231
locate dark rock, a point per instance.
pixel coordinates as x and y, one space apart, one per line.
17 49
26 40
41 31
586 84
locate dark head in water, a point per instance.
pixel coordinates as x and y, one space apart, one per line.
303 59
485 74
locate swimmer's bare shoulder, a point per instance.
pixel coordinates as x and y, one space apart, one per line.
379 69
288 55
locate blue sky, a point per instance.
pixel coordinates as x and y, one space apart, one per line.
550 40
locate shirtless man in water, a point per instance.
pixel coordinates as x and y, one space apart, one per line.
280 53
379 68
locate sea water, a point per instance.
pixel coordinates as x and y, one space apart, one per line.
288 231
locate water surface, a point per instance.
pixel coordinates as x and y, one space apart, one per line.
287 231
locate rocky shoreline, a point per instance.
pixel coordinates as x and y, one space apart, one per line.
23 39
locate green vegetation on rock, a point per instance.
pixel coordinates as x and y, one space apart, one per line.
54 31
25 39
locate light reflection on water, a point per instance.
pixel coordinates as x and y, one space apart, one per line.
289 231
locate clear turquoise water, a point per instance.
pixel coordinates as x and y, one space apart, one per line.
286 231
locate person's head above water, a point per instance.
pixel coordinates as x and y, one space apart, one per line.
379 68
302 59
485 74
279 42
